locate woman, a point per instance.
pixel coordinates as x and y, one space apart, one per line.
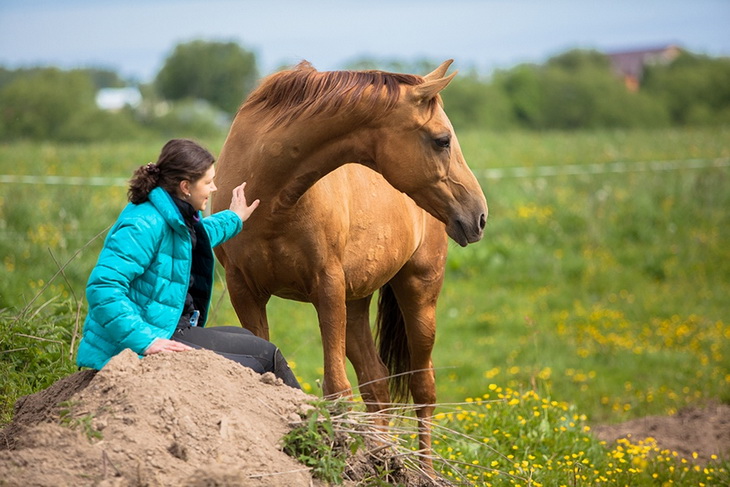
151 287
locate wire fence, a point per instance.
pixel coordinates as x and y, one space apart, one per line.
605 168
493 173
482 174
63 180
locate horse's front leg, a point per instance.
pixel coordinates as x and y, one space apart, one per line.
372 374
329 301
250 308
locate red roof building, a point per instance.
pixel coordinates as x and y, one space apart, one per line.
630 64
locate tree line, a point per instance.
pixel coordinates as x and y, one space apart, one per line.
202 83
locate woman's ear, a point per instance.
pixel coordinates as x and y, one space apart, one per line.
184 188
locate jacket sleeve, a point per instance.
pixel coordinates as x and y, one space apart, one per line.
127 252
222 226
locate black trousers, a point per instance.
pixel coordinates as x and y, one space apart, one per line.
240 345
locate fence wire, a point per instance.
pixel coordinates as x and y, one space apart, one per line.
493 173
605 168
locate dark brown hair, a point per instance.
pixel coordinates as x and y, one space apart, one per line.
180 160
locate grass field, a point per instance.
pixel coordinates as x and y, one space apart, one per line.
596 295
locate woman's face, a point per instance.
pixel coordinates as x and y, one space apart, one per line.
201 189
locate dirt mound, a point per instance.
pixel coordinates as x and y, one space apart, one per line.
197 419
178 419
694 433
170 419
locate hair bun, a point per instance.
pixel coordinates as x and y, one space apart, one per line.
152 169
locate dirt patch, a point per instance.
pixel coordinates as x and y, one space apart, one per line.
700 432
179 419
197 419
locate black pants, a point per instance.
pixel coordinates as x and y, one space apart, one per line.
240 345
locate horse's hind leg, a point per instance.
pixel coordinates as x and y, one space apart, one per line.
417 287
370 370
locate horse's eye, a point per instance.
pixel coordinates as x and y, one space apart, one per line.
443 142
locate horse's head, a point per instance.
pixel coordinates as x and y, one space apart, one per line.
313 122
419 154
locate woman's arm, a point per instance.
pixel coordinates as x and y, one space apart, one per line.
128 251
226 224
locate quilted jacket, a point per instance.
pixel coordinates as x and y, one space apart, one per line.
136 291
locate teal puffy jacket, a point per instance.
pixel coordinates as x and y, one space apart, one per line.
137 290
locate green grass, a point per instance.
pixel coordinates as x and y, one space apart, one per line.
36 349
605 292
584 272
509 438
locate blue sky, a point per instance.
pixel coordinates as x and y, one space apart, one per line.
135 36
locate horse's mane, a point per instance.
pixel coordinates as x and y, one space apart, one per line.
303 92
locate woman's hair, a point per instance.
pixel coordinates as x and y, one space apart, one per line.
180 159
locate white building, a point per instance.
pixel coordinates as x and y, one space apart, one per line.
114 99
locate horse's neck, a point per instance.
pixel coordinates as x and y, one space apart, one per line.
291 161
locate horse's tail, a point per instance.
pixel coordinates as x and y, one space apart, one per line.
393 343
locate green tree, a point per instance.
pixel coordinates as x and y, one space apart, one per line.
577 60
575 90
592 97
37 104
694 88
523 86
222 73
105 78
472 102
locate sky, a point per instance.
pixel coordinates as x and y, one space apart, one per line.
134 37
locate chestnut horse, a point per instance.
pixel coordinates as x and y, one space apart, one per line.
345 163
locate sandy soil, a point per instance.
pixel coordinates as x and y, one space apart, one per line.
197 419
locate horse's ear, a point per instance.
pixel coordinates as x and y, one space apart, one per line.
439 72
429 89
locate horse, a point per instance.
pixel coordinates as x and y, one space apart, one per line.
361 181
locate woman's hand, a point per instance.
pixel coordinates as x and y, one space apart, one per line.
239 205
163 345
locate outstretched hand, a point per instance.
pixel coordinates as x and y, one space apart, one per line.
239 205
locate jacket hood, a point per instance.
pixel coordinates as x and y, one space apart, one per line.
162 201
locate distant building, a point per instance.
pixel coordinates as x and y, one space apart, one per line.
630 64
114 99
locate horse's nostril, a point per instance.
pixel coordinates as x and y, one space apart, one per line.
482 221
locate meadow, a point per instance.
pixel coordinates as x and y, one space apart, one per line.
598 295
